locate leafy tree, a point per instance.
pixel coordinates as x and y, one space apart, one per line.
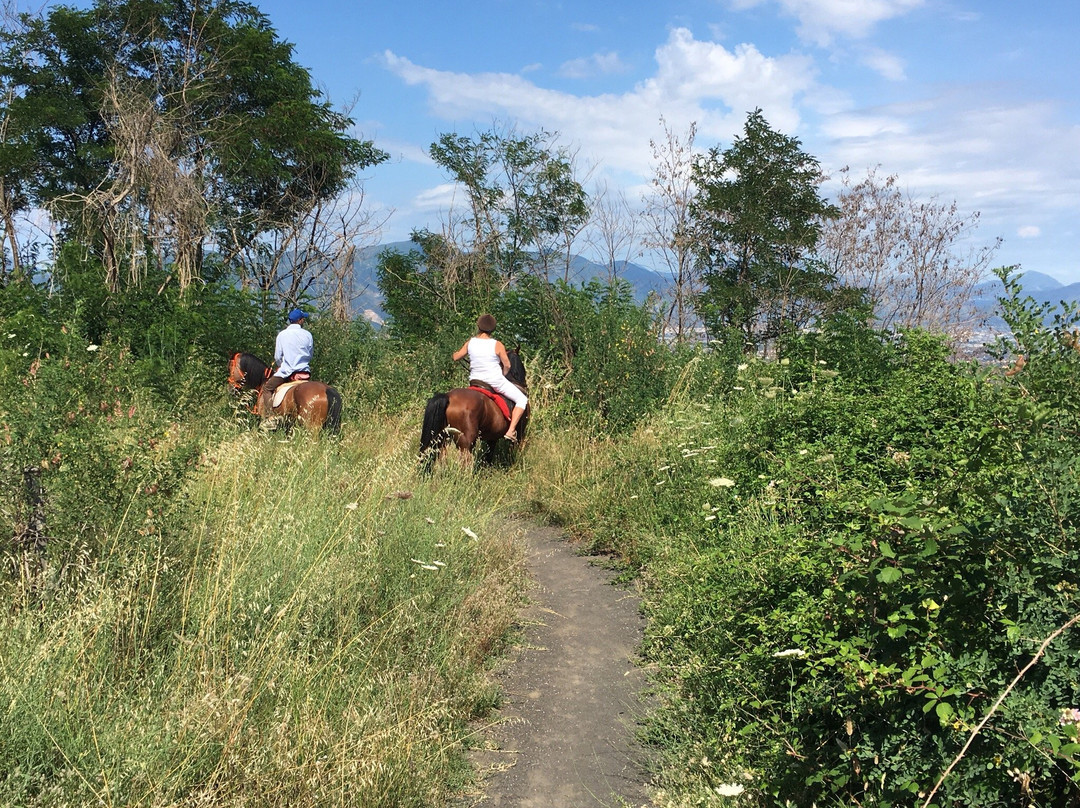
757 217
168 122
526 205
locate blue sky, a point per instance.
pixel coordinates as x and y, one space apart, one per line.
968 100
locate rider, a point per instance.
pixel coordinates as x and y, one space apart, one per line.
489 363
292 353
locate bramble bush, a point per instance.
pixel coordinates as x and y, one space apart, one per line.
111 454
849 554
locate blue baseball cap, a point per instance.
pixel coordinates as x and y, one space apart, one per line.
296 315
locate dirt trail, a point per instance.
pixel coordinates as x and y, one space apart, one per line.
565 735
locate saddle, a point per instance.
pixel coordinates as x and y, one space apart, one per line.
499 399
279 393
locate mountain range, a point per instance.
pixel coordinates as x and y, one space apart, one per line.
368 298
643 281
1042 288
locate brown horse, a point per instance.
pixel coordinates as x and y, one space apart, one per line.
313 404
465 416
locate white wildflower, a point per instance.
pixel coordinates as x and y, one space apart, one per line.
738 388
743 366
352 506
721 482
469 533
790 652
92 348
729 789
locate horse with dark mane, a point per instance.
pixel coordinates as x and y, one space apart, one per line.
313 404
466 415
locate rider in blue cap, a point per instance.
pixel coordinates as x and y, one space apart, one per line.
292 353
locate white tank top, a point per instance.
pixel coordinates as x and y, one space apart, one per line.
484 363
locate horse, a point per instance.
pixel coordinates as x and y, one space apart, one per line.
313 404
465 415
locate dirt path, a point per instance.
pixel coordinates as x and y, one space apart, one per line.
565 735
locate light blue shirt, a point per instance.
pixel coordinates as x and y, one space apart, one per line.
293 350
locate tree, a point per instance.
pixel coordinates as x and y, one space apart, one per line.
115 97
757 217
905 254
613 230
525 201
17 161
669 230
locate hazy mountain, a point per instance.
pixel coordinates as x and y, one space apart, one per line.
643 281
368 298
1042 288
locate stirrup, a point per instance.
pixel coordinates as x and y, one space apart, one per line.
512 438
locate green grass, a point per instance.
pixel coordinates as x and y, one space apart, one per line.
309 626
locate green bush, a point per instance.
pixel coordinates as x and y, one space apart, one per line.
847 565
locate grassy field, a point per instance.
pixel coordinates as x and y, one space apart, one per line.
309 625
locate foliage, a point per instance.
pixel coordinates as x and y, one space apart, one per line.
154 123
757 217
849 555
109 453
616 367
613 365
526 204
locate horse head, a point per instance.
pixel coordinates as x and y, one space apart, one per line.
247 372
516 373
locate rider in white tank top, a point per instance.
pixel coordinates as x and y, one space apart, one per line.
484 363
488 362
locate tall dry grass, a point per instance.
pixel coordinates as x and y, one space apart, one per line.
309 627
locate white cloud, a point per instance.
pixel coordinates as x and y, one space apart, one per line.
855 126
694 81
820 20
885 64
1010 162
441 197
597 64
585 27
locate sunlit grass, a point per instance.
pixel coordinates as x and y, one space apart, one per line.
277 643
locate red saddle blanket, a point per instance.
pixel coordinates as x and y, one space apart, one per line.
503 407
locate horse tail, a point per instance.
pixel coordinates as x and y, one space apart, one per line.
333 411
433 432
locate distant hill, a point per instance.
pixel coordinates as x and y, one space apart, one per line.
368 300
1042 288
643 281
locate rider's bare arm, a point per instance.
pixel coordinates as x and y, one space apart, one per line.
500 352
